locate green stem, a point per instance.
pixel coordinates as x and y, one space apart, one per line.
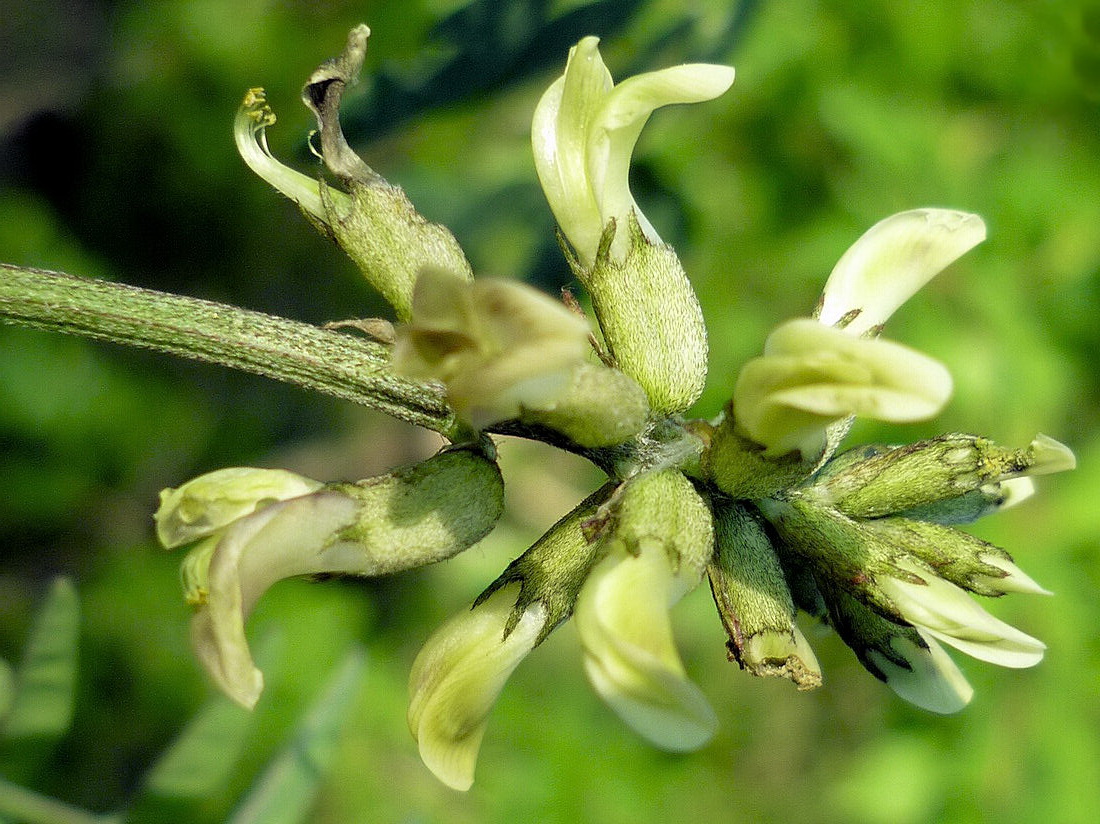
334 363
31 808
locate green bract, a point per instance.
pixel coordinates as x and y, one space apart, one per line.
760 498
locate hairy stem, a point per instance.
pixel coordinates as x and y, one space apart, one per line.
334 363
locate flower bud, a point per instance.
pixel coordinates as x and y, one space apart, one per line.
583 134
754 601
373 222
923 477
407 518
659 537
499 346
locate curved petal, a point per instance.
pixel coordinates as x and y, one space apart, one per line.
949 614
891 261
249 132
210 502
289 538
932 680
629 652
559 136
457 678
812 376
625 112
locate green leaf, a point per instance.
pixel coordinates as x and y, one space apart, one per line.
42 703
285 791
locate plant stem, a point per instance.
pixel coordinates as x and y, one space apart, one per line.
26 806
337 364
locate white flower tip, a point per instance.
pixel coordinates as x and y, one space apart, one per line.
891 261
784 655
932 682
658 703
1049 456
457 677
1015 579
229 664
944 611
249 132
1016 490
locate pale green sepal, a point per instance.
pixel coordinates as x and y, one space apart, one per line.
890 262
498 346
212 501
928 678
629 652
458 676
424 512
812 376
553 570
665 508
959 474
650 318
754 601
378 227
949 614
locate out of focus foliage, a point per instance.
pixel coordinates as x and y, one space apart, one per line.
117 161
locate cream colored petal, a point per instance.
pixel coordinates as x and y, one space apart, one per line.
1016 580
613 136
499 346
559 136
629 652
933 682
208 503
1050 456
812 376
892 260
293 537
949 614
457 677
1016 491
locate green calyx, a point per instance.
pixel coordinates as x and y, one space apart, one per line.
917 476
754 601
553 570
426 512
650 317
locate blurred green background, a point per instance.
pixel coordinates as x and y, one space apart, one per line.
117 161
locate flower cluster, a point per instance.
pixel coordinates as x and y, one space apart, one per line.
760 501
